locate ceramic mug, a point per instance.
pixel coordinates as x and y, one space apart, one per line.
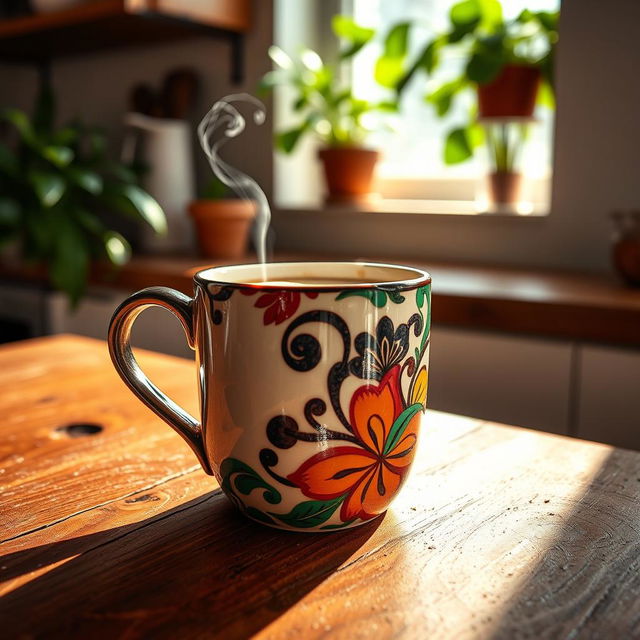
312 384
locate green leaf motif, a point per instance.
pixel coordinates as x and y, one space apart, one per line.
420 296
309 514
400 425
238 477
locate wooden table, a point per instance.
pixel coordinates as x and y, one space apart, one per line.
500 532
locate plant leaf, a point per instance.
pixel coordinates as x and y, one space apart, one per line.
546 96
8 161
132 200
389 68
9 213
70 265
400 425
310 513
442 97
465 16
58 155
281 58
457 147
49 187
427 61
346 28
44 112
117 248
286 141
21 122
482 68
491 12
86 179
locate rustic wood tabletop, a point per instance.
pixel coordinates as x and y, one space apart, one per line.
110 530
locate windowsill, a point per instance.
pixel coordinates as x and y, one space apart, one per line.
416 207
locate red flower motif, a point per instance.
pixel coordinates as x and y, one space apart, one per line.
280 305
370 473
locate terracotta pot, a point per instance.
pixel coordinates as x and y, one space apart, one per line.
348 172
512 94
222 226
504 187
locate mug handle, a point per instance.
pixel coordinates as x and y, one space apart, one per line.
125 363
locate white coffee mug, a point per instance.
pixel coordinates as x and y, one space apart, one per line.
313 378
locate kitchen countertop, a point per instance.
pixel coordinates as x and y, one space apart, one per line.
565 305
112 530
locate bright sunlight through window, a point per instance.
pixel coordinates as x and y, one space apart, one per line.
413 144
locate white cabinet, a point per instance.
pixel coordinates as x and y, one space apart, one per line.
609 396
519 381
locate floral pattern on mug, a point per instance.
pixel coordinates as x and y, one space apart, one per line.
366 475
279 305
358 464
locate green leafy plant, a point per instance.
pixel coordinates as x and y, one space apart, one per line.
322 98
55 184
479 33
215 189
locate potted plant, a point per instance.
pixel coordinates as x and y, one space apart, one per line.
55 184
508 64
327 109
222 221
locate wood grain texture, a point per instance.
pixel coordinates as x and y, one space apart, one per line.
50 383
570 306
499 533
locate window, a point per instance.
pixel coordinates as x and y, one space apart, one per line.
412 165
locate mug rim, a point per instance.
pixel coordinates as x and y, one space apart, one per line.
421 279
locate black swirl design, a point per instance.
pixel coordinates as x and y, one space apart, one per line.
269 459
380 352
222 294
303 353
418 324
283 431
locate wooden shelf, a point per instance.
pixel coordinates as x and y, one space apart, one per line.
553 304
104 24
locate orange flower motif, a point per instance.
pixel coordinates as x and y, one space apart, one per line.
370 473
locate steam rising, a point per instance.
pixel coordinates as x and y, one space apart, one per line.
224 121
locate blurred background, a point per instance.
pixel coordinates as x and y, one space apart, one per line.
493 143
